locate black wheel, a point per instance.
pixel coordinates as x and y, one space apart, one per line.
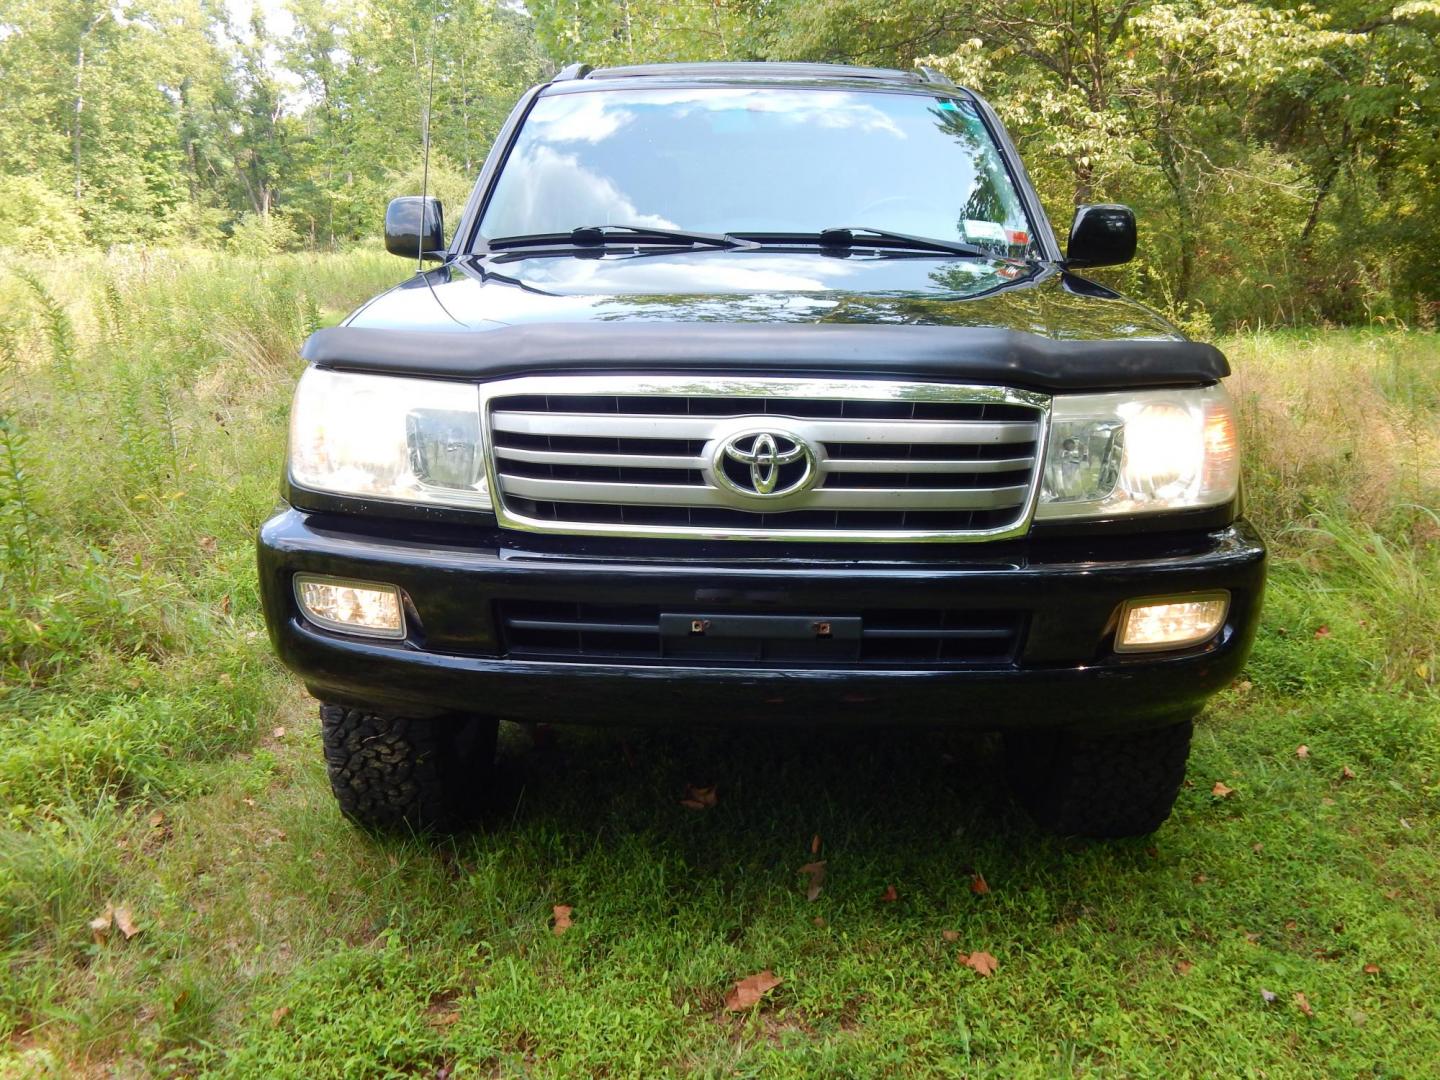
393 773
1098 785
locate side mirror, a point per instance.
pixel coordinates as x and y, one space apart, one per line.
1101 235
415 227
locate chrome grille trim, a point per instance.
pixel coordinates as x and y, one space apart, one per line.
578 459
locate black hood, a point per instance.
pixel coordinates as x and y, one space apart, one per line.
786 311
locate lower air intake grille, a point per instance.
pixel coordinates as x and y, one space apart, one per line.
545 630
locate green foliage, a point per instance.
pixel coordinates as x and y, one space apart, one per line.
1282 157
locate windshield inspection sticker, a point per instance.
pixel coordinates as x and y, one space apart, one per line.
984 232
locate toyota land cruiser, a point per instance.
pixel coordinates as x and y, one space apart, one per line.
751 394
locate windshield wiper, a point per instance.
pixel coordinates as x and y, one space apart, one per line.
849 236
600 235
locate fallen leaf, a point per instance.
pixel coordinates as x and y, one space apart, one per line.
1323 632
1302 751
1244 686
1304 1003
225 604
889 896
444 1019
978 885
982 963
1372 969
1220 791
819 921
278 1016
1184 967
815 844
1358 1018
1346 773
1327 801
100 925
279 733
950 935
157 820
1291 924
1199 879
248 801
1257 848
562 918
208 544
1267 996
748 991
125 922
699 798
816 870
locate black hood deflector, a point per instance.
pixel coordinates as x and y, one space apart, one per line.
955 354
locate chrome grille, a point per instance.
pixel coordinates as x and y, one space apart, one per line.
688 457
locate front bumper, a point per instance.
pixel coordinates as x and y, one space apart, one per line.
1061 671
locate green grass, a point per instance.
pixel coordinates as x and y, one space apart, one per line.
153 756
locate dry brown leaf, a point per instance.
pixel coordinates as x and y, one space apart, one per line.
816 870
1268 996
1304 1003
225 604
100 925
563 921
748 991
819 921
208 544
278 1016
1184 967
1372 969
279 733
1199 879
443 1019
1302 751
982 963
1244 686
699 798
950 935
1220 791
157 819
125 922
1323 632
815 844
1346 773
889 896
248 801
978 885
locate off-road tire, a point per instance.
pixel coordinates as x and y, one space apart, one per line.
1103 786
391 773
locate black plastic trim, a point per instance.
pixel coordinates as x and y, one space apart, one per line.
985 355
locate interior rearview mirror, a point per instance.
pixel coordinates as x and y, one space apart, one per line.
1101 235
415 227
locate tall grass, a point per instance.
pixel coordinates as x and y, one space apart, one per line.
142 405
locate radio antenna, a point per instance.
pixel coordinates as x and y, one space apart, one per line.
425 143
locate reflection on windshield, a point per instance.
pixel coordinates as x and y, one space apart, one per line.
738 159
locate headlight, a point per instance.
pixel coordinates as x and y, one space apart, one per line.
1129 453
380 437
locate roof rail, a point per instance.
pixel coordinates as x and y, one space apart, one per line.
930 75
572 71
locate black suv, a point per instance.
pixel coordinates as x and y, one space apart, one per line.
751 394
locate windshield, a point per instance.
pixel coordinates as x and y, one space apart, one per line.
758 160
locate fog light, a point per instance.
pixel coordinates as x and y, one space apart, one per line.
354 607
1170 622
